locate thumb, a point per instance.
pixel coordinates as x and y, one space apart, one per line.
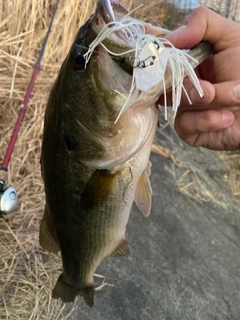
203 24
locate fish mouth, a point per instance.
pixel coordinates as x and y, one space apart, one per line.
117 32
110 9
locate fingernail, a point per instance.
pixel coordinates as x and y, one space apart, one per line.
227 117
236 92
194 96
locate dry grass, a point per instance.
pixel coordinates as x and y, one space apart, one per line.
27 273
232 164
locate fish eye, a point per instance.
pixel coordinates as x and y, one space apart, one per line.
78 60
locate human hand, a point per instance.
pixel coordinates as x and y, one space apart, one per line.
212 121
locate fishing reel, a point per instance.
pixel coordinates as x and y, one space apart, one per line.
8 199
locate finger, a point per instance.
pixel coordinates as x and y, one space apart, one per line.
227 93
217 140
189 125
204 24
192 94
208 93
220 95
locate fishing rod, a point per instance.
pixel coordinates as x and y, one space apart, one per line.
8 196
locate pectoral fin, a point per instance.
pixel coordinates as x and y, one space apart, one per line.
98 189
143 193
121 250
46 236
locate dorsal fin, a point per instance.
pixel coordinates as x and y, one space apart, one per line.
46 236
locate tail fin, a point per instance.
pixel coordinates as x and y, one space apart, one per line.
88 294
68 293
64 291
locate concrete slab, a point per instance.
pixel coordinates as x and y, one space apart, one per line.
185 261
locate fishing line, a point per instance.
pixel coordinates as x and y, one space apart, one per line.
8 196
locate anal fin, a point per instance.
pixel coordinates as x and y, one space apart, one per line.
122 249
46 237
143 193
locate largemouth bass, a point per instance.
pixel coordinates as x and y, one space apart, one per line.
98 132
